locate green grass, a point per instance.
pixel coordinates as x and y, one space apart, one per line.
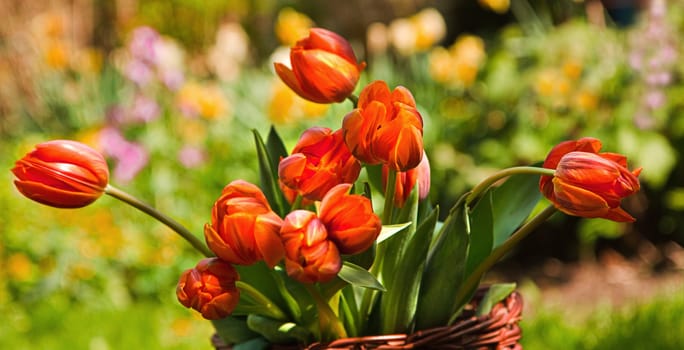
55 325
656 324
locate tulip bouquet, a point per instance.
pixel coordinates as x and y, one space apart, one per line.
339 240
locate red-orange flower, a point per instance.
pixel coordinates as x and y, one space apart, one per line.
385 128
406 181
310 256
209 288
324 67
319 161
243 227
349 220
62 174
588 183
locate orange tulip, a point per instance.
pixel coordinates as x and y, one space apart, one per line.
406 181
385 128
587 183
324 67
62 174
243 227
349 220
319 161
310 256
209 288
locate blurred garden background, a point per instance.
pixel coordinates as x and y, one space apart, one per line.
169 91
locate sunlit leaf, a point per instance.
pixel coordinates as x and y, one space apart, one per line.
496 293
358 276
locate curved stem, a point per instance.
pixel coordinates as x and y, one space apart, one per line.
153 212
474 278
354 100
272 310
492 179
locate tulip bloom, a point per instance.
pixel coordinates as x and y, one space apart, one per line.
407 180
310 256
349 220
243 227
62 174
385 128
587 183
324 67
319 161
209 288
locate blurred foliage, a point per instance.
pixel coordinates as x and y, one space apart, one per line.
536 76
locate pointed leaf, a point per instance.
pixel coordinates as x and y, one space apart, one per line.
390 230
405 285
495 294
358 276
268 182
481 235
278 332
233 329
512 203
276 150
444 270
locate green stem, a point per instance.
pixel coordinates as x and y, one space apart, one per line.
149 210
354 100
329 324
297 203
477 191
474 278
272 310
390 189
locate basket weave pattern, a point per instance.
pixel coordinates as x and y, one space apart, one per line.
498 330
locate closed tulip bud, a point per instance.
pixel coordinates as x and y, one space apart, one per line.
587 183
349 220
243 227
385 128
62 174
209 288
324 67
407 180
309 255
319 161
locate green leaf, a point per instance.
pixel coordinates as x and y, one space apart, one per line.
512 203
276 150
233 329
405 285
444 270
267 179
254 344
349 312
495 294
481 235
390 230
358 276
278 332
374 173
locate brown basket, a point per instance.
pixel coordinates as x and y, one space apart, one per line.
496 330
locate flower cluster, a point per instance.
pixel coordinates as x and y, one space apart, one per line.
304 257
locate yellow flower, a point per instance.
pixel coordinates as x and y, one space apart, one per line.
206 101
430 28
585 100
498 6
19 267
458 66
286 106
56 55
572 69
292 26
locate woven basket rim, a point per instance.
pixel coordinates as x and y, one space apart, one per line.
498 329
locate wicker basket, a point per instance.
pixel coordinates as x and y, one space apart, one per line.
496 330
